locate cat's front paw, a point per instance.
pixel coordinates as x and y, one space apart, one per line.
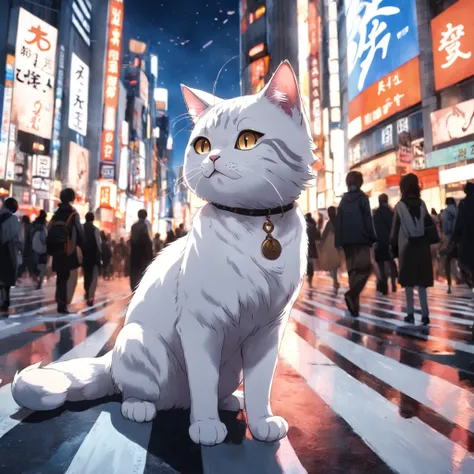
269 429
138 410
208 432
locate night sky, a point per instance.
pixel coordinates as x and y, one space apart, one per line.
179 32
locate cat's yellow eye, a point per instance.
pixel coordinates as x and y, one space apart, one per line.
247 139
202 145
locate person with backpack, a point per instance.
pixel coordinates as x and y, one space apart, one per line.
413 231
355 233
65 235
92 258
39 252
10 248
141 253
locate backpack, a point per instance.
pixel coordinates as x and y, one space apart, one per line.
58 242
37 242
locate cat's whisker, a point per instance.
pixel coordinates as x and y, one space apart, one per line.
180 120
186 114
176 185
181 130
266 179
218 75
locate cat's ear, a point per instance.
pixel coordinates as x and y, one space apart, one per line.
283 91
197 101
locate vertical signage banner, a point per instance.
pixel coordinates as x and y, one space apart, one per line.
78 172
314 84
112 77
79 95
35 67
7 105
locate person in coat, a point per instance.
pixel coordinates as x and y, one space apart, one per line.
141 253
26 255
463 235
410 241
39 255
92 258
170 238
383 217
448 219
329 255
106 252
10 247
355 234
313 236
67 266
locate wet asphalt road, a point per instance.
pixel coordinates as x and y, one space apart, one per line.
365 395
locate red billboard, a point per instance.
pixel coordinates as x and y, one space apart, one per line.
314 71
393 93
453 44
112 77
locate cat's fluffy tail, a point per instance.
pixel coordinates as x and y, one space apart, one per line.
47 388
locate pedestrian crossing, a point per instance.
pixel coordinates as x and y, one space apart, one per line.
369 395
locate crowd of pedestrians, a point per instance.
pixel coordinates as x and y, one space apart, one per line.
423 243
68 247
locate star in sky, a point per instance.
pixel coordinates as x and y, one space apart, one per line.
177 31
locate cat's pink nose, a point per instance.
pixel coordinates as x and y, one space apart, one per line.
215 157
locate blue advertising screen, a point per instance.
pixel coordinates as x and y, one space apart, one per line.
382 35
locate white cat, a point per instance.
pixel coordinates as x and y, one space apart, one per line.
211 305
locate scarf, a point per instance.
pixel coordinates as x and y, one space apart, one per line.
412 227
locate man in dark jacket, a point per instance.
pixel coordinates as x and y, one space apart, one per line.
9 249
355 234
141 252
463 235
383 218
66 266
92 257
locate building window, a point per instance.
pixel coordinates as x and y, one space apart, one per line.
258 73
258 13
256 50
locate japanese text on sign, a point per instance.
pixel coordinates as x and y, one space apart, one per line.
78 96
112 76
35 67
390 95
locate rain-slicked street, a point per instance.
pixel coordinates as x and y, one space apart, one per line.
371 394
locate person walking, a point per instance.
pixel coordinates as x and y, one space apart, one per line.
329 255
313 237
39 254
448 220
106 252
157 244
170 238
25 241
355 234
413 231
10 247
383 217
141 253
91 258
65 236
463 234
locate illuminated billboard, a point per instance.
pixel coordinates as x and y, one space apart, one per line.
382 35
78 170
315 83
453 44
112 78
303 52
391 94
78 95
35 64
453 122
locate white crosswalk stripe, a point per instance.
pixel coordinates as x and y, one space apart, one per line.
407 445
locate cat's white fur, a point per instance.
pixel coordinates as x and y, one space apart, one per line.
210 306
